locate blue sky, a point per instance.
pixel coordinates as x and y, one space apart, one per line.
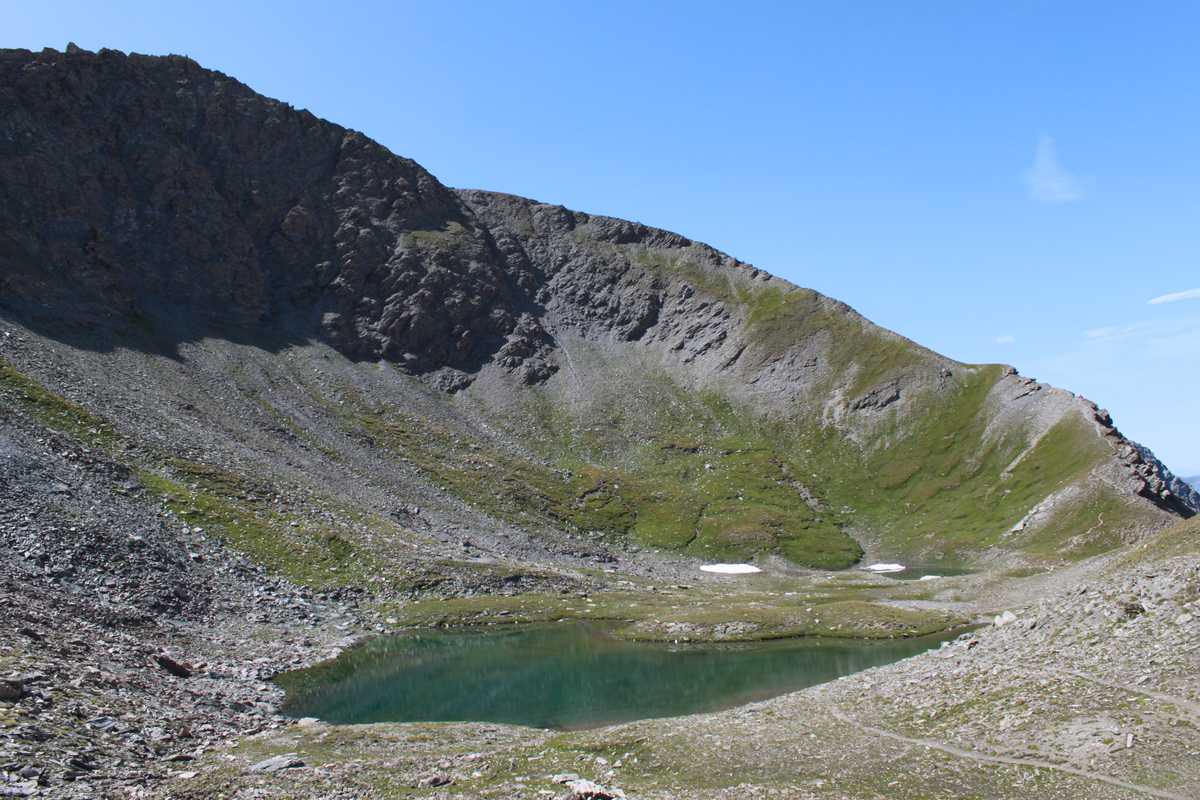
1010 182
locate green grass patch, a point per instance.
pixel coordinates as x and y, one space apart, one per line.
941 488
732 500
1180 539
780 318
696 615
237 510
24 394
1087 526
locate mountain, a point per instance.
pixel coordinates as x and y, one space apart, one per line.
265 384
691 400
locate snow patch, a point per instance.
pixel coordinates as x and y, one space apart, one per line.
929 577
730 569
886 568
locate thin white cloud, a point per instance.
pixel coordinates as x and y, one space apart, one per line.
1175 297
1111 332
1005 339
1048 181
1164 333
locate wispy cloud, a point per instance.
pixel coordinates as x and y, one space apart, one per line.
1048 181
1165 333
1112 332
1101 333
1175 297
1005 339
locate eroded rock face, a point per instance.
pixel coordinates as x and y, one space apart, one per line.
1148 476
1158 482
142 190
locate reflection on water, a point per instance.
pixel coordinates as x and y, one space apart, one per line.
565 676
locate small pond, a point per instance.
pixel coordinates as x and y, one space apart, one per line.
916 572
566 676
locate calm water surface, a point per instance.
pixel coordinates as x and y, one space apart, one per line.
565 676
915 573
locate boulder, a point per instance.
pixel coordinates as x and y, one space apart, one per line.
276 763
588 790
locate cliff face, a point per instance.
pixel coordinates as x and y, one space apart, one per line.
146 202
138 187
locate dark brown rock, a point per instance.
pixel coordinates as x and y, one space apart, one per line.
11 689
172 666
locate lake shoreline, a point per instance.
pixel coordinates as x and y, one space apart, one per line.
567 676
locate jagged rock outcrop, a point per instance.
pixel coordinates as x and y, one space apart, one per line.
1149 477
1160 483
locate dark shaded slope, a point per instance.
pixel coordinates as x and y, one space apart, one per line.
148 193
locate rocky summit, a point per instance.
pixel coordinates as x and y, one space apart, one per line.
267 388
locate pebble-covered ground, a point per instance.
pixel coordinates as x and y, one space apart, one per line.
136 648
136 654
108 602
1093 692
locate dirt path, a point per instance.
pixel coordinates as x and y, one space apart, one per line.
981 758
1191 707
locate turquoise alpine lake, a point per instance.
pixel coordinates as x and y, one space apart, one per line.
566 676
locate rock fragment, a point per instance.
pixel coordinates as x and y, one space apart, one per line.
277 763
172 666
12 689
437 779
588 790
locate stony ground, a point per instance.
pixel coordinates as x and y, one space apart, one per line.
114 588
109 599
1092 692
129 564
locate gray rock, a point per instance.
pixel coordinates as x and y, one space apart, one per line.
589 790
276 763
